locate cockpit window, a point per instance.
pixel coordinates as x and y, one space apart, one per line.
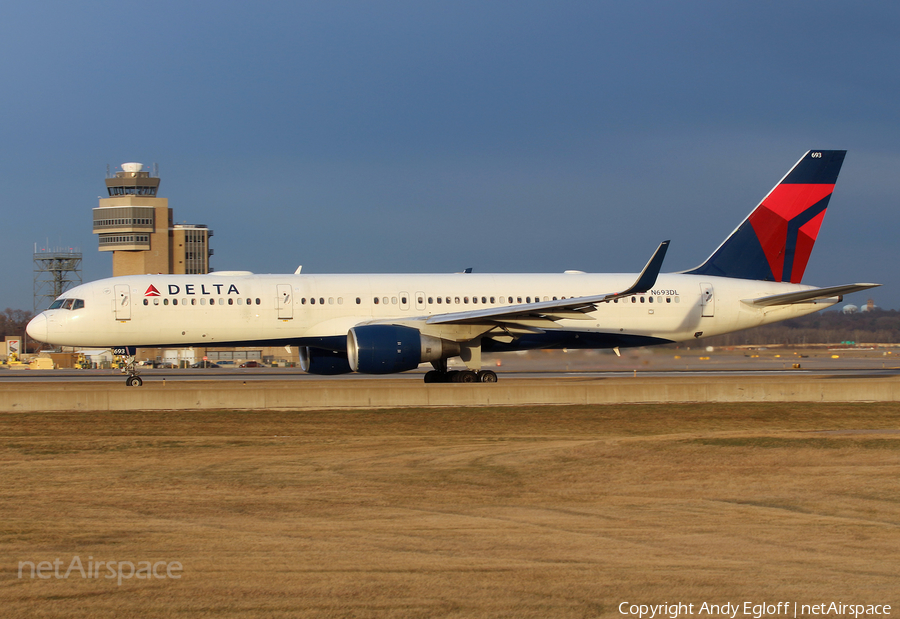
69 304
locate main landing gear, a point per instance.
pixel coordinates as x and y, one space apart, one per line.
130 368
464 376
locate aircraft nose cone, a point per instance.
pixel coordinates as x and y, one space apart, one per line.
37 328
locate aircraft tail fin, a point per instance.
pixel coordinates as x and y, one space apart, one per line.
775 241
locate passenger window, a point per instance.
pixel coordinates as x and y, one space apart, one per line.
165 301
650 299
340 300
421 300
240 301
528 299
155 301
474 299
448 301
330 300
430 300
678 299
484 300
492 300
518 299
193 301
456 299
384 300
394 300
321 300
439 300
312 301
634 299
668 299
376 300
146 302
403 300
230 301
358 300
465 299
174 301
510 299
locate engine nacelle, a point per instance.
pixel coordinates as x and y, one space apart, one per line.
386 349
326 362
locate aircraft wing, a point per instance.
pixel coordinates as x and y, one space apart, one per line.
807 296
573 308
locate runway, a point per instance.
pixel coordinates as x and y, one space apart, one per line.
294 374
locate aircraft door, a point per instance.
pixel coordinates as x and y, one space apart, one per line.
285 302
420 301
707 300
404 301
123 301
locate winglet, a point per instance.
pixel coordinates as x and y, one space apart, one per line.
647 278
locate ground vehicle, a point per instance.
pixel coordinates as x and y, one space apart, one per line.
205 364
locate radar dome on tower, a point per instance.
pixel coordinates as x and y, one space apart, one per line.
132 167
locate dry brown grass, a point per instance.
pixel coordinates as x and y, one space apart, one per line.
542 512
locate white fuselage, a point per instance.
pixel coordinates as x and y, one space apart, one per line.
230 308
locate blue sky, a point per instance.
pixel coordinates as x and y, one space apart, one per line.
424 136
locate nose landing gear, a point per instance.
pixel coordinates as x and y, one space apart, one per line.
130 368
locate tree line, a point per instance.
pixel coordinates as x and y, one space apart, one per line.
13 322
874 326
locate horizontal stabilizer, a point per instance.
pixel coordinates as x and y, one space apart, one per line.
807 296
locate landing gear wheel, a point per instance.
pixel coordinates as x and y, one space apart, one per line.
487 376
433 376
466 376
134 381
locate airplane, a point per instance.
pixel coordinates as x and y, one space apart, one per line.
389 323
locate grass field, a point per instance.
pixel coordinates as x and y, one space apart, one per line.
485 512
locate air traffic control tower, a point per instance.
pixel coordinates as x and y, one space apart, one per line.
136 225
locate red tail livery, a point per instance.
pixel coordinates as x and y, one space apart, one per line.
775 241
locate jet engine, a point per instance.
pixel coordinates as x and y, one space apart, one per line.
326 362
386 349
